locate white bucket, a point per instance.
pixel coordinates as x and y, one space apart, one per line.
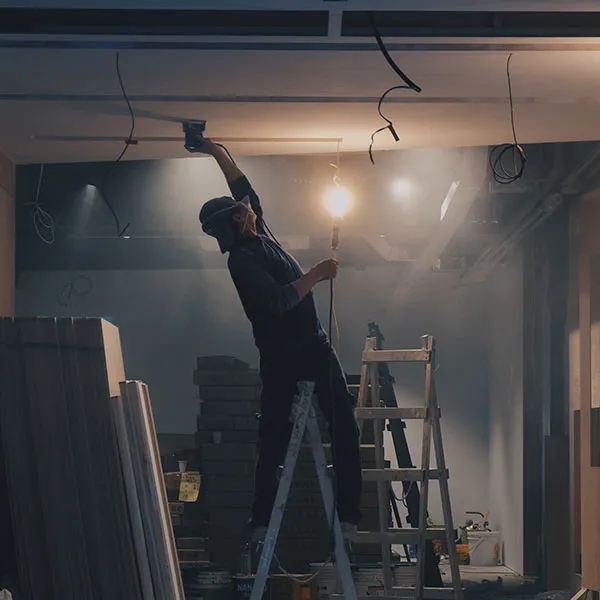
485 548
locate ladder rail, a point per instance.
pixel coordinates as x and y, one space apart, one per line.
425 465
283 489
382 486
305 423
341 556
445 493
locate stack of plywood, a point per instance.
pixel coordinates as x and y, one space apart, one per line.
226 439
88 506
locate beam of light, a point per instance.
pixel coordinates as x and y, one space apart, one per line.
83 207
403 189
448 199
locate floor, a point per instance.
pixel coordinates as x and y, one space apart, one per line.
497 582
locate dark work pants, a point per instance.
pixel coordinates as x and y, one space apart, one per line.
280 376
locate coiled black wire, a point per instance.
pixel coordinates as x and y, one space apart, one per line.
508 161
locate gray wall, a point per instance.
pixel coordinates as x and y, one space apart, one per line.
506 409
168 318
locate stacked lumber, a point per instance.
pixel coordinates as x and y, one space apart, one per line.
86 495
226 439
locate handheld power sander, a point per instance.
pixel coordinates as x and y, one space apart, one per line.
194 135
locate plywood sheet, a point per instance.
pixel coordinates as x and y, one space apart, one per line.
66 489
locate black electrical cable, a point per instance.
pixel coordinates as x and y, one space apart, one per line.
228 153
128 142
389 125
333 415
507 174
410 85
74 288
42 220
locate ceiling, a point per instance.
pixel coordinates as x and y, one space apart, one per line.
60 99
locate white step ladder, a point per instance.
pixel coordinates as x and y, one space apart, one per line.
430 414
305 421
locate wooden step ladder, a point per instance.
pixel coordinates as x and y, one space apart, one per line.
430 414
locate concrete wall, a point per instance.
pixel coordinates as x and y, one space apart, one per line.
7 236
168 318
505 476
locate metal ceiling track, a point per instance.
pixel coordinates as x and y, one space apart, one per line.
297 30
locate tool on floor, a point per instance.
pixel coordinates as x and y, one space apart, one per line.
411 496
305 422
430 414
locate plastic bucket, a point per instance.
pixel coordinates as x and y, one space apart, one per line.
485 548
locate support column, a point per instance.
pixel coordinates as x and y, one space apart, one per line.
8 564
7 237
585 394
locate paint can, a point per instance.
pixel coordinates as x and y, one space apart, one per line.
327 580
205 581
369 577
242 587
296 587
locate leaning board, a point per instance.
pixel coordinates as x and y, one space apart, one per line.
75 535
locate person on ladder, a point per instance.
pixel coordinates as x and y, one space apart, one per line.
277 298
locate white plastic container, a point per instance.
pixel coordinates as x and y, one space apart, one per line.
485 548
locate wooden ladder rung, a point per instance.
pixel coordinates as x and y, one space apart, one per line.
378 356
414 474
396 536
390 413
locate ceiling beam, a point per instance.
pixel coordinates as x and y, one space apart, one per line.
458 202
536 208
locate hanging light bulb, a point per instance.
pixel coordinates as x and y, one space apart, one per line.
338 201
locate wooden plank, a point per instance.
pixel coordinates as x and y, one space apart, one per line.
81 423
377 356
94 357
133 498
390 413
175 574
54 452
150 483
24 491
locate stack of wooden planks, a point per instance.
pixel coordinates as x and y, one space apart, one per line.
226 437
87 499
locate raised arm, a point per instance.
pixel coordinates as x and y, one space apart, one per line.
236 180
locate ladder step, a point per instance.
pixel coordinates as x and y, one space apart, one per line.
377 356
396 536
390 413
402 474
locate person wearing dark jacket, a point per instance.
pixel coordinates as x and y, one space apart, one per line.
278 300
